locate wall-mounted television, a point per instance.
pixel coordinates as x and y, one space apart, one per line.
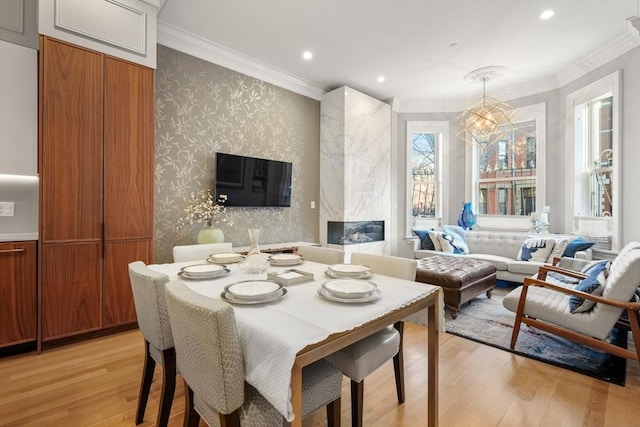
251 182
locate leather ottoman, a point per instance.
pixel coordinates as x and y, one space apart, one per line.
461 279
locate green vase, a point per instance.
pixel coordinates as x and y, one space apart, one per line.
210 234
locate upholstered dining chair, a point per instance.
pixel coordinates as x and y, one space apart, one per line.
199 252
212 366
321 254
360 359
153 319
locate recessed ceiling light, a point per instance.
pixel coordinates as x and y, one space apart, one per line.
546 14
380 79
307 55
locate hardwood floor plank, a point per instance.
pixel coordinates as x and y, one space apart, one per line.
95 384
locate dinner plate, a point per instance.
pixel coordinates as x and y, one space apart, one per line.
188 276
253 289
285 257
225 258
333 275
349 288
286 263
369 298
349 270
206 270
231 298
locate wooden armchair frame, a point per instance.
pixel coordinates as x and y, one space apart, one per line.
632 309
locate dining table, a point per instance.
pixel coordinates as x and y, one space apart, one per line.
301 326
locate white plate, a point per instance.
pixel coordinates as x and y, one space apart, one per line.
226 258
253 289
349 288
188 276
333 275
203 270
285 257
349 270
329 296
233 299
286 263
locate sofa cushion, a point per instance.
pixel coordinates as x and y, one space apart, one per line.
433 235
524 267
593 284
500 262
425 240
535 249
576 245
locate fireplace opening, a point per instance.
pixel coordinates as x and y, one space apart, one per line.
354 232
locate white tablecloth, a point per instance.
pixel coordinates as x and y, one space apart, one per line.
271 334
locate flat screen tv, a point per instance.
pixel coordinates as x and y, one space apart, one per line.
251 182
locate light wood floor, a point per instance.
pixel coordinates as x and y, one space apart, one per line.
96 383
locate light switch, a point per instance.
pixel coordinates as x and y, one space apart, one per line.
313 204
6 208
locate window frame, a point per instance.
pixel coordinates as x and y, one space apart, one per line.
535 112
441 129
607 84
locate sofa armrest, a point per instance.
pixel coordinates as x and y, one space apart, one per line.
585 255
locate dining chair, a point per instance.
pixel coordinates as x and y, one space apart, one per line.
321 254
199 252
360 359
153 320
212 365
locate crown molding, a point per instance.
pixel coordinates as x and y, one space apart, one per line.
175 38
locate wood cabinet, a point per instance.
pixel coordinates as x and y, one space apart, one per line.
96 186
17 293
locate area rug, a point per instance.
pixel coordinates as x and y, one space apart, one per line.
486 321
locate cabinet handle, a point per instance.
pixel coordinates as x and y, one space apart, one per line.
6 251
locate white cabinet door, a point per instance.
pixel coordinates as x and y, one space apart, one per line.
18 110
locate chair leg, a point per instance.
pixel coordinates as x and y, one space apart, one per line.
145 384
519 313
357 396
333 413
191 417
398 363
634 323
168 386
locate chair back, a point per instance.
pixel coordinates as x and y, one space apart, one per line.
148 296
199 252
623 252
322 255
402 268
207 347
624 275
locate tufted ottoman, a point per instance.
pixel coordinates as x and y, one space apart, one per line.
461 279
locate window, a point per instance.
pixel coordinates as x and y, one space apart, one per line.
594 130
425 142
506 177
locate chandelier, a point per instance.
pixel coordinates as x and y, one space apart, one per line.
487 120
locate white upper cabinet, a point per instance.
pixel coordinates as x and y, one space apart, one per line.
125 28
18 110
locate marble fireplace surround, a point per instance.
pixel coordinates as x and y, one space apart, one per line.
354 232
355 150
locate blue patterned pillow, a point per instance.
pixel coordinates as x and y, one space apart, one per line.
452 243
594 285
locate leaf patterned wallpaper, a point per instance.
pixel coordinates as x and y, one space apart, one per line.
203 108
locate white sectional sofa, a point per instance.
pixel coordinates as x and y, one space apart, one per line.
501 249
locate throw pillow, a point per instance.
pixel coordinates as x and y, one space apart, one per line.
558 249
456 231
576 245
433 235
452 243
425 240
535 250
594 285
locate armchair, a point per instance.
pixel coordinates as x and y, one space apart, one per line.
543 303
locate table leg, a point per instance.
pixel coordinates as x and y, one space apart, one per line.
296 394
432 366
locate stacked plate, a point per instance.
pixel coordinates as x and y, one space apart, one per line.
225 258
202 271
352 271
285 260
349 291
253 292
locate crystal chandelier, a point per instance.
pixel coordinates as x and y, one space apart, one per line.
487 120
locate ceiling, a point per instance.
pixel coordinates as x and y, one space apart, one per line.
423 48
